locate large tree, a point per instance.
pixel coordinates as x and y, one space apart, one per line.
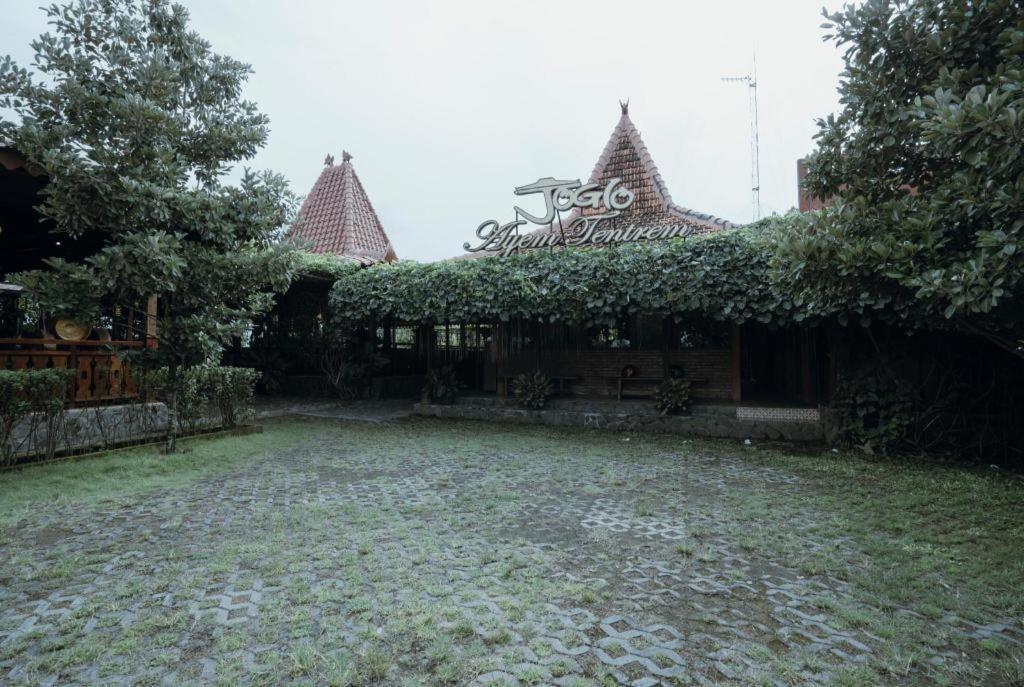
137 123
924 162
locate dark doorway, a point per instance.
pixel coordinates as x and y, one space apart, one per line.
785 365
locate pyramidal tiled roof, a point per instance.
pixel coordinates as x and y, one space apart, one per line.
338 218
625 156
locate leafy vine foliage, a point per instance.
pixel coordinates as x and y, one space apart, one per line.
722 276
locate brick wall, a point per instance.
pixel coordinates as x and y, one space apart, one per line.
597 369
805 201
712 364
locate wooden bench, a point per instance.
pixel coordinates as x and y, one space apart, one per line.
622 382
559 380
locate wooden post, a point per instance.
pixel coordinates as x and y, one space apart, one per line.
666 346
805 367
737 362
500 345
73 364
151 331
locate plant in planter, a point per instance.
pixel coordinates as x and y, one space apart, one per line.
441 385
672 396
533 389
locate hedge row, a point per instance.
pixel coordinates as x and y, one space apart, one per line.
42 393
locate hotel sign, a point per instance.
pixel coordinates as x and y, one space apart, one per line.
597 206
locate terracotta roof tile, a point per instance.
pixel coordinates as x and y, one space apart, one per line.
625 156
338 218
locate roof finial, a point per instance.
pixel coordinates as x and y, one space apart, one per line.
345 157
624 106
329 161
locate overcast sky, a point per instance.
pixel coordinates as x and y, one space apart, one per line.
447 105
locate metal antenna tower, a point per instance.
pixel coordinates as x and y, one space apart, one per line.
755 145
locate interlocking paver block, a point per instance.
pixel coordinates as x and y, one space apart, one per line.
529 569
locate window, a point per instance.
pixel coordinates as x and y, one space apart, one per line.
10 315
404 337
453 337
616 336
699 332
628 332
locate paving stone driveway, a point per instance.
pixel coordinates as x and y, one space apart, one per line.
425 552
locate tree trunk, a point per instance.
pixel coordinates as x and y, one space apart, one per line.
171 437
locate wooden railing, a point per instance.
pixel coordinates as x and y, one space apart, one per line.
101 376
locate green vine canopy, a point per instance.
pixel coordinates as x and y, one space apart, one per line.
755 273
721 276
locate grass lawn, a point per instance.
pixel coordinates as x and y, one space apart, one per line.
428 552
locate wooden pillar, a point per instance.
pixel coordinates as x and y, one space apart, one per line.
151 329
666 345
805 366
500 337
836 350
79 383
428 335
489 360
737 377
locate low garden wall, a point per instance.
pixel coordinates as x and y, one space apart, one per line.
380 387
726 421
85 429
36 422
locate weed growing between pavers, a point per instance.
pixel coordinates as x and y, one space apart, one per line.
429 552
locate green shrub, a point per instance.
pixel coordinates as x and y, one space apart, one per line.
47 392
533 389
193 398
873 410
227 389
230 389
13 407
349 370
672 396
441 385
42 392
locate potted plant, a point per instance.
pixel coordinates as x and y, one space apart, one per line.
672 396
441 385
533 389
